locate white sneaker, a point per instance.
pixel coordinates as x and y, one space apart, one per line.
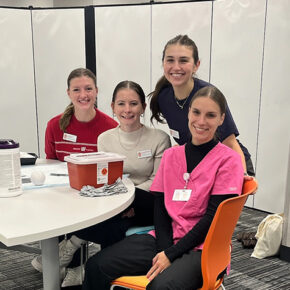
66 252
37 265
74 277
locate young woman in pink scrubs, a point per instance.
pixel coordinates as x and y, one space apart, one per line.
192 180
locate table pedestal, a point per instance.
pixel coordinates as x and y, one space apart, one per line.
50 264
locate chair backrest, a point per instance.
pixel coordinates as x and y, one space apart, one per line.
216 253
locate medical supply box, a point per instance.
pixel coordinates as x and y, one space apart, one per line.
95 169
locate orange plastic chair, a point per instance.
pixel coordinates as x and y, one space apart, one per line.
216 253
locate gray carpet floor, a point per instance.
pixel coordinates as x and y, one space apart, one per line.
246 273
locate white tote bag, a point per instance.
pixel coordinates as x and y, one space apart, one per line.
269 236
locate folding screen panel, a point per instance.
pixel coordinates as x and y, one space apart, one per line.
237 53
59 45
170 20
274 133
17 110
122 49
129 44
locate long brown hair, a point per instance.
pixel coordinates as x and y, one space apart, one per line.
69 110
163 82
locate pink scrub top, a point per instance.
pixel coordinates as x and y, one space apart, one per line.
220 172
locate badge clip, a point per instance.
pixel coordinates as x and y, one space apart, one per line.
186 176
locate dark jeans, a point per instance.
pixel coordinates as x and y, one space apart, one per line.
114 229
133 256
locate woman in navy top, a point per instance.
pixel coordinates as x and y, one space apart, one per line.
173 92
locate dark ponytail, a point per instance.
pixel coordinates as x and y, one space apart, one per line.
154 106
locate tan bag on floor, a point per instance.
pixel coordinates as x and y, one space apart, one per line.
269 236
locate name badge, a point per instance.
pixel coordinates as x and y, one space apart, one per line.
181 194
69 137
174 133
144 154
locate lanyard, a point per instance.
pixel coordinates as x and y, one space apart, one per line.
186 176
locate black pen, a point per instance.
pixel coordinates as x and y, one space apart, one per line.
58 174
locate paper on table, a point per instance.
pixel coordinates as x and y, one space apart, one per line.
106 190
26 155
59 177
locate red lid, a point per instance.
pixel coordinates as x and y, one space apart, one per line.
94 157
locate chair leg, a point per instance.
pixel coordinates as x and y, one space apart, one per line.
87 245
113 286
84 257
82 261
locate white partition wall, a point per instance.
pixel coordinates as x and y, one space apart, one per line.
59 46
243 48
170 20
237 53
274 132
17 96
122 49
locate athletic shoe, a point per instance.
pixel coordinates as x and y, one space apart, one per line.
74 277
37 265
66 252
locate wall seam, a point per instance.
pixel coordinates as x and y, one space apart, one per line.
90 38
151 44
34 80
261 89
210 43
